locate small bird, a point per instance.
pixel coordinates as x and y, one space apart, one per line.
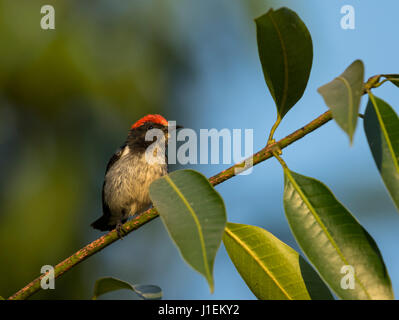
129 173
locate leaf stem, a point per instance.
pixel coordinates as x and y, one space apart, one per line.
273 129
282 162
374 82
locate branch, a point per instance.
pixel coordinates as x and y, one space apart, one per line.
147 216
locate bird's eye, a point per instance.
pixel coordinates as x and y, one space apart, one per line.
150 127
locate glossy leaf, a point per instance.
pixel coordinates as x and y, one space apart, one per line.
194 215
342 96
286 53
334 241
109 284
270 268
381 125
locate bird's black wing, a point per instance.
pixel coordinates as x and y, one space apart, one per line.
102 222
115 157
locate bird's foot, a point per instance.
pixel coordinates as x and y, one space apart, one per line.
119 229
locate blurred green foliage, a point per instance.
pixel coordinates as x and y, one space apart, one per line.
67 98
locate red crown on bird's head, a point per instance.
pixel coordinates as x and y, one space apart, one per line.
155 118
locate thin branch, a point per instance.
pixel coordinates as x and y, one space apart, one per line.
267 152
143 218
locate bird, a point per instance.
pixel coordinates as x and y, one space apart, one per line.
141 160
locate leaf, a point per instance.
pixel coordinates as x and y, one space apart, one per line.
109 284
1 298
148 292
270 268
286 53
381 125
194 215
332 239
342 96
394 78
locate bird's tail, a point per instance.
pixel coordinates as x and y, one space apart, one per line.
102 224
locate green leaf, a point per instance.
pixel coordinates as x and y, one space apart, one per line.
342 96
270 268
1 298
286 53
381 125
332 239
394 78
109 284
148 292
194 215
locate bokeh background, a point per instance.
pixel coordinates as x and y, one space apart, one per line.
69 95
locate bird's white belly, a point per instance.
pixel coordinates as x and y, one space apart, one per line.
126 189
